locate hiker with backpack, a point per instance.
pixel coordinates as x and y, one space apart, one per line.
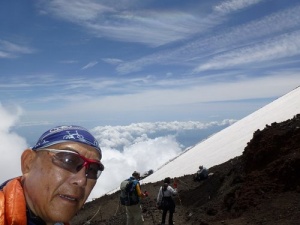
165 200
130 197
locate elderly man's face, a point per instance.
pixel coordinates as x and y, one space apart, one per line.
51 192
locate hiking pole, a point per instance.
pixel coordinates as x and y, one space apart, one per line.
179 198
151 213
117 208
142 213
89 221
182 182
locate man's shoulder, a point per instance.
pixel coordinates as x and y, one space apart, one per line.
132 181
170 188
136 182
4 184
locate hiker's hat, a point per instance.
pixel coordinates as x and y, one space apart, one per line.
136 174
167 180
66 133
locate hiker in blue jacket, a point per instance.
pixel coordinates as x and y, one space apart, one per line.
134 211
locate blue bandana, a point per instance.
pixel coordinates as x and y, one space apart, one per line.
64 134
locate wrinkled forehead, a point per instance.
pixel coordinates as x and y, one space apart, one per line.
69 133
83 149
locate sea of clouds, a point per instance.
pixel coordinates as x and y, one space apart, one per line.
135 147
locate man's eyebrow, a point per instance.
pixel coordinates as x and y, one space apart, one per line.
68 148
74 150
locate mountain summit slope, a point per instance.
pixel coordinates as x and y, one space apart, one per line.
262 186
255 164
231 141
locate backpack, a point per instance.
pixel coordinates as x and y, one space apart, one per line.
128 195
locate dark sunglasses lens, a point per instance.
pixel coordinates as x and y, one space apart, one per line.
74 163
68 161
93 171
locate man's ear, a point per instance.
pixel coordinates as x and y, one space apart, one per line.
27 159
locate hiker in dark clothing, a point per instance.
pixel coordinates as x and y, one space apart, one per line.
201 174
165 200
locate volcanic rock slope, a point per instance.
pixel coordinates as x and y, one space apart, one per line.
262 186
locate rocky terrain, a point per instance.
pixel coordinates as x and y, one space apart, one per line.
262 186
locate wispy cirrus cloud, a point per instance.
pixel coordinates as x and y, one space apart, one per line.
112 61
233 5
77 10
147 26
184 96
232 38
190 98
69 61
286 45
90 65
12 50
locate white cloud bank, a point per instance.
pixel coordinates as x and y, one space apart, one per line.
138 146
12 144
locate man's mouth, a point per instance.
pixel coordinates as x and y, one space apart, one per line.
68 197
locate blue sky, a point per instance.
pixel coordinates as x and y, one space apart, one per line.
144 76
121 62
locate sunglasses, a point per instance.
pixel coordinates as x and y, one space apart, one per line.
73 162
